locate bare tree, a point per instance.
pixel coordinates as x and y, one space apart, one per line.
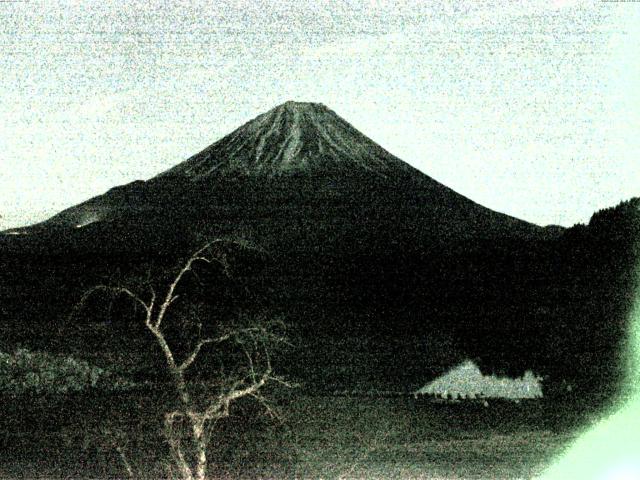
197 407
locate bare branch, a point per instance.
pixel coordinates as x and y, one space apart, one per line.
192 357
283 382
270 410
196 256
236 393
223 338
114 291
153 298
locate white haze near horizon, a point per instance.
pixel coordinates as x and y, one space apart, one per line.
528 108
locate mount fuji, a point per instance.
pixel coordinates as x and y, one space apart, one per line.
299 163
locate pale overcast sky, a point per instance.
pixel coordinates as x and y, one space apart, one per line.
529 108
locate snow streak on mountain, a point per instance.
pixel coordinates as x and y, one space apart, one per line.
294 137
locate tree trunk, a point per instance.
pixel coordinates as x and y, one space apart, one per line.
201 449
176 449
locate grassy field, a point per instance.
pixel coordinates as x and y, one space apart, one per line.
75 436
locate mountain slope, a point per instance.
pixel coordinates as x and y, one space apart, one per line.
295 157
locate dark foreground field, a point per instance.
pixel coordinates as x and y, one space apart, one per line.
318 437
